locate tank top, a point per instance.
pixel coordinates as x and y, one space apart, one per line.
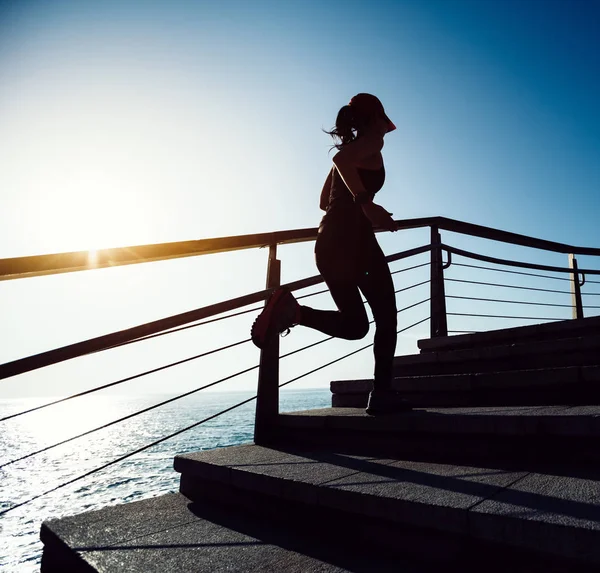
342 211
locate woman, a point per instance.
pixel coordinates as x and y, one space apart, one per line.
347 253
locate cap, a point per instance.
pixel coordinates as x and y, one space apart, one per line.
368 105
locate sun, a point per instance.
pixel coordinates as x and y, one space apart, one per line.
96 217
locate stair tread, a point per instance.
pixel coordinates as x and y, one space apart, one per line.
472 380
502 349
520 333
501 420
559 514
172 533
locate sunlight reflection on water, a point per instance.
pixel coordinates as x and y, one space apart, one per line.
144 475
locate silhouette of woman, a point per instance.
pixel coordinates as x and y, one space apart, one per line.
347 253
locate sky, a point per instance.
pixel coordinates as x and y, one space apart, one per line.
129 122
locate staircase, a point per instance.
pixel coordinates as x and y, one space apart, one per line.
544 364
498 467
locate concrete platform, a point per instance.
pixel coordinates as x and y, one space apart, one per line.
172 534
554 514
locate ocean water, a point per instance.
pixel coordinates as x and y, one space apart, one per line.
147 474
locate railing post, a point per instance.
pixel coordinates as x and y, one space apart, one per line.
576 302
438 323
267 401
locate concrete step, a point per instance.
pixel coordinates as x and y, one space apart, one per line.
531 333
545 386
579 351
568 434
470 517
171 533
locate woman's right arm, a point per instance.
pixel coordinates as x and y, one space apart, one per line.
326 191
347 161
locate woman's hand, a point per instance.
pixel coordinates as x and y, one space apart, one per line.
379 217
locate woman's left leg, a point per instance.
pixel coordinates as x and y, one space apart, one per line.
378 287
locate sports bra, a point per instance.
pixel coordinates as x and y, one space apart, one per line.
372 179
342 212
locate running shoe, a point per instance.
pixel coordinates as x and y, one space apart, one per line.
383 402
281 312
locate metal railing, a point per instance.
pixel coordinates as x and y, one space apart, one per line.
267 407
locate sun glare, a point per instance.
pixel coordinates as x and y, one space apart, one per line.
111 221
66 419
92 257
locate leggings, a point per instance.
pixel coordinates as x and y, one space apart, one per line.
350 268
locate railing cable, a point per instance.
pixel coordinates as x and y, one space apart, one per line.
154 370
179 329
347 355
511 272
128 455
506 286
129 416
514 301
255 309
412 286
393 273
110 384
88 432
331 337
181 431
411 268
502 316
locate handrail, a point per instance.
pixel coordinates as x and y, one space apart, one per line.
107 341
519 264
39 265
512 238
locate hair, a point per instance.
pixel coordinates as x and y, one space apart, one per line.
347 126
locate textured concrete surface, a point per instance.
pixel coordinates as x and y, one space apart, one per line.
557 514
420 494
553 511
274 472
171 534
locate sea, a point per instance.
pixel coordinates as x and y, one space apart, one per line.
146 474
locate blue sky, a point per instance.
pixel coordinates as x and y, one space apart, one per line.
126 123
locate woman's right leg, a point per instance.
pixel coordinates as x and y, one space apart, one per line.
338 266
350 321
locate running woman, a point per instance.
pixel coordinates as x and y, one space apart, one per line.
347 253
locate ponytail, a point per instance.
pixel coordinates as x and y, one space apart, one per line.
346 127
